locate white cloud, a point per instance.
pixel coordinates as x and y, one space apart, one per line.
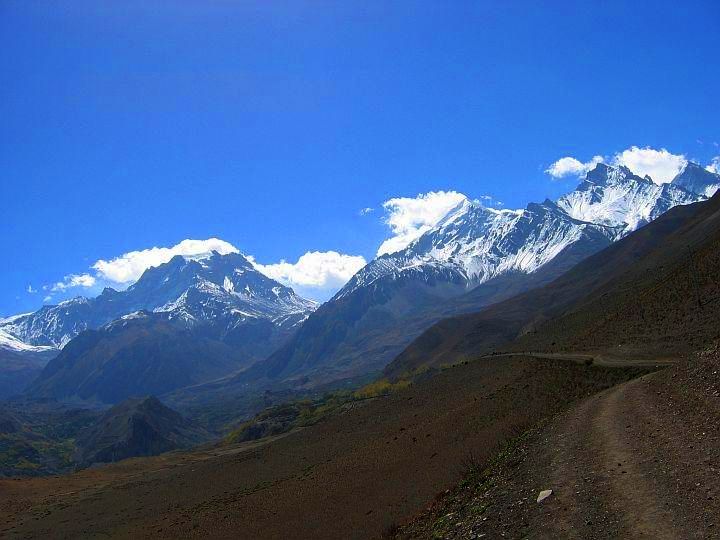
660 165
31 290
569 166
316 274
714 166
366 211
74 280
130 266
408 217
47 299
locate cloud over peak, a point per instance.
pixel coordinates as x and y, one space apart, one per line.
569 166
128 267
660 165
317 274
74 280
410 217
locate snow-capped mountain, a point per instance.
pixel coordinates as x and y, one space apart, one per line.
618 198
11 343
8 342
696 179
221 290
473 257
20 363
476 244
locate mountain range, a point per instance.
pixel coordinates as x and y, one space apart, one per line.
653 294
225 290
474 257
182 322
574 361
264 335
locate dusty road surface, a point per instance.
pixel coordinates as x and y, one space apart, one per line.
355 475
639 460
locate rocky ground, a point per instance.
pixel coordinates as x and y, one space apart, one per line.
639 460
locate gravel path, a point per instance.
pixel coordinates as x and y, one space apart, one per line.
639 460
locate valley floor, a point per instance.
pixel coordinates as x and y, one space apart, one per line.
355 475
639 460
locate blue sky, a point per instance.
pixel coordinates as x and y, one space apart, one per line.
131 124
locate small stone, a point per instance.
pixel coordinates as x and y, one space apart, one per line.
544 495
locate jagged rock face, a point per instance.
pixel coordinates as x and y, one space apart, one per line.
617 198
696 179
474 244
222 288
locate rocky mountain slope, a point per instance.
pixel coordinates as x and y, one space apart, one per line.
20 362
184 322
635 461
474 257
352 475
143 353
652 293
136 427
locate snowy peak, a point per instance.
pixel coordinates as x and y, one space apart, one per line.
195 291
9 342
698 180
228 280
615 197
475 243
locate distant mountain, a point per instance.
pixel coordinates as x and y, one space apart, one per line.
142 353
183 322
697 179
136 427
20 363
474 257
618 198
223 291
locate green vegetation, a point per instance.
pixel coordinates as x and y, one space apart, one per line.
380 387
39 439
23 454
306 412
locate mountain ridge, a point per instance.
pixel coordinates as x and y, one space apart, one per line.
454 267
194 290
584 309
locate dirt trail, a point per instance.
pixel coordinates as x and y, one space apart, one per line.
597 466
638 460
597 358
